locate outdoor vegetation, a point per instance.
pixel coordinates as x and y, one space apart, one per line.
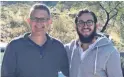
110 14
110 19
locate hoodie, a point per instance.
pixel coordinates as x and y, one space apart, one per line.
24 58
101 60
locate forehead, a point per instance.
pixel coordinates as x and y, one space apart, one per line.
85 17
39 13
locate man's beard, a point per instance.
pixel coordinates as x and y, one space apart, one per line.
87 39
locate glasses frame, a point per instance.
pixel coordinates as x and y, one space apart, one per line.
81 23
36 19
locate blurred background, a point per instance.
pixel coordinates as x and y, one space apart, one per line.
110 14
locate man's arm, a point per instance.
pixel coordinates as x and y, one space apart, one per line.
114 65
8 68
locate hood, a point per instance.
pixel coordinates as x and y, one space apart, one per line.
101 41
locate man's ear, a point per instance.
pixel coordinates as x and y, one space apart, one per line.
28 20
97 25
75 26
50 21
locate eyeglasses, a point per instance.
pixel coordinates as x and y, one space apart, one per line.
35 19
81 23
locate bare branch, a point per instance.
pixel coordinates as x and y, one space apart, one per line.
104 27
102 7
107 20
113 15
115 7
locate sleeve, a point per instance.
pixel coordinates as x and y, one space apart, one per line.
68 51
114 65
8 68
64 63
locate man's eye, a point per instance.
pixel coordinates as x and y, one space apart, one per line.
39 19
32 18
89 21
80 22
42 19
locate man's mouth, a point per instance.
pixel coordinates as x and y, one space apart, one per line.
40 27
85 30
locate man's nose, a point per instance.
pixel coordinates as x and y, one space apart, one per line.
85 25
38 21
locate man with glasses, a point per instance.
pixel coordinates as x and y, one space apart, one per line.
35 54
93 54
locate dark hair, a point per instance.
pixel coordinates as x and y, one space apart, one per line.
85 11
41 7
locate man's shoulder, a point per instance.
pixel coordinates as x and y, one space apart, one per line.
109 49
56 42
16 40
73 42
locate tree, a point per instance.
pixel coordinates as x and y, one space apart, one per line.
111 11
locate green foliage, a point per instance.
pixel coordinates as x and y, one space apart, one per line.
13 19
63 28
50 3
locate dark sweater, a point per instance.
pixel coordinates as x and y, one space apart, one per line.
24 58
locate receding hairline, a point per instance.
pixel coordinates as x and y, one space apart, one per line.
39 7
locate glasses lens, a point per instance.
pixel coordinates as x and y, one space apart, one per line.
82 23
35 19
89 22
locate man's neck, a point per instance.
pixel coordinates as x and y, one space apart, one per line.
39 40
85 46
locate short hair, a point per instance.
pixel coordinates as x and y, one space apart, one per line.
40 7
85 11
